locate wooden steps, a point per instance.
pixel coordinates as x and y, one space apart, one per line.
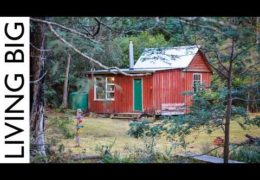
126 116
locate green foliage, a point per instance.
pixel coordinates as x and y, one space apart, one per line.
63 123
141 41
246 153
143 154
254 121
144 129
138 129
38 158
146 154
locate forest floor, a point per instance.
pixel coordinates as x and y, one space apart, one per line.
97 132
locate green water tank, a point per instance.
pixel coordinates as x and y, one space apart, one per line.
78 100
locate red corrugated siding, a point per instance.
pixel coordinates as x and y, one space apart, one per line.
147 94
199 63
168 87
123 96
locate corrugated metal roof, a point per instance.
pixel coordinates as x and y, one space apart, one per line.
157 59
166 58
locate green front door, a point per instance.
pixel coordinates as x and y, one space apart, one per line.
138 98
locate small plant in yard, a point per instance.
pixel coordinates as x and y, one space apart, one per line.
38 159
216 153
57 154
63 123
138 129
107 156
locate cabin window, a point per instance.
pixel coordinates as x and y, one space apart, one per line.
197 82
110 88
104 88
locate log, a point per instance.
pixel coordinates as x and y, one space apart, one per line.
251 139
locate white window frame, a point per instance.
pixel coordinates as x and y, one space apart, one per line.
193 79
106 91
109 84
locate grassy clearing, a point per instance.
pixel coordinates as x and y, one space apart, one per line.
104 131
202 140
97 132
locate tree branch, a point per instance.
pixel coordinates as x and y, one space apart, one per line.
246 100
216 69
220 63
98 28
39 78
186 21
251 66
107 26
204 153
39 49
63 27
91 59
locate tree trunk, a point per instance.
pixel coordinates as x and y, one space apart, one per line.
229 107
37 101
227 123
248 102
258 37
65 87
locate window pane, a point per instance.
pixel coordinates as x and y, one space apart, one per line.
100 88
110 88
196 77
110 95
110 80
104 88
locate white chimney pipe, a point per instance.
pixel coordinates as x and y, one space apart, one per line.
131 56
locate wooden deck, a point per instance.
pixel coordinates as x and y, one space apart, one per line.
207 159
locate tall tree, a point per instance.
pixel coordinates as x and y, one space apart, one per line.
37 62
231 43
65 87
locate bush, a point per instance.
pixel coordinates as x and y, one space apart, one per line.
63 124
246 153
138 129
146 154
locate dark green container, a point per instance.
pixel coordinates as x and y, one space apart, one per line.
78 100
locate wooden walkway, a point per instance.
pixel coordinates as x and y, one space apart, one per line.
206 158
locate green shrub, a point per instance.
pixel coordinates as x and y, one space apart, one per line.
138 129
246 153
63 124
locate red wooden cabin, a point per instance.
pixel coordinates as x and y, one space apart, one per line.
168 72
